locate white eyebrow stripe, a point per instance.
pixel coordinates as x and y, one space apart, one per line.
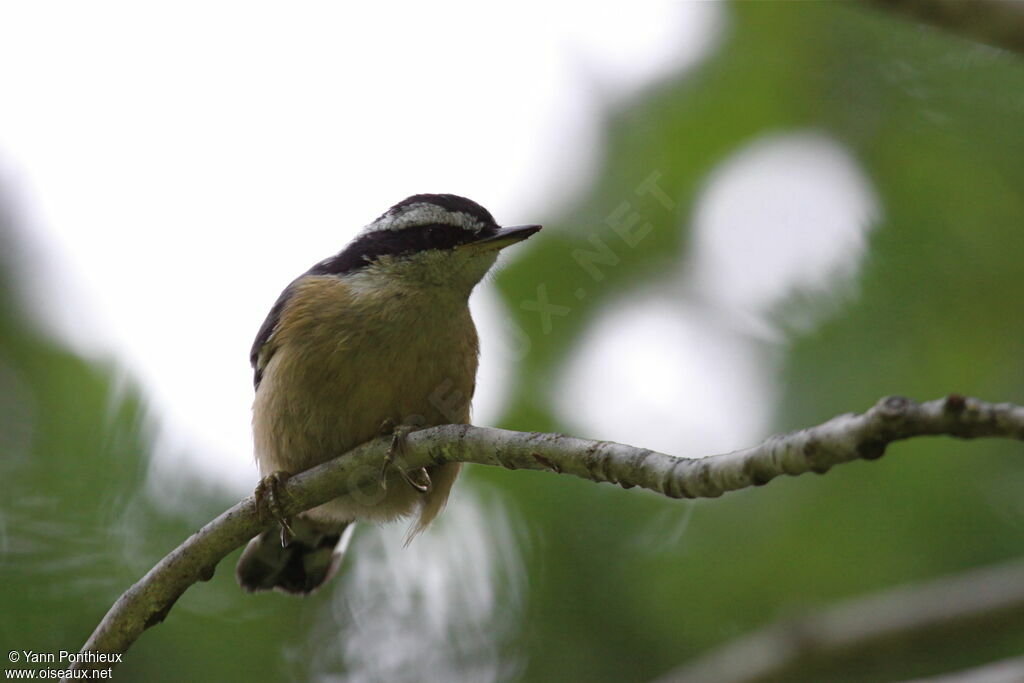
424 213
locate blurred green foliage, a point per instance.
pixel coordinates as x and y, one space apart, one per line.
613 594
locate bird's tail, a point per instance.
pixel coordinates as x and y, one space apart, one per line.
306 563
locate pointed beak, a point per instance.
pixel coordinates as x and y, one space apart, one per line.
503 238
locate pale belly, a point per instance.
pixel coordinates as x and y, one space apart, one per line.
325 391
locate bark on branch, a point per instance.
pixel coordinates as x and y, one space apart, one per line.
981 600
842 439
1005 671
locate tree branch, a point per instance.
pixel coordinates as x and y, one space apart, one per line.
1003 671
996 22
817 449
978 600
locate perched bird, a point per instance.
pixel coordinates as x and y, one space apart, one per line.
377 339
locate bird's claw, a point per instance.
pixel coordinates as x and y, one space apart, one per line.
421 486
268 495
395 449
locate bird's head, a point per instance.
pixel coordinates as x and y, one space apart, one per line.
428 240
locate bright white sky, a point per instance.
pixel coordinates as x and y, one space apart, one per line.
182 162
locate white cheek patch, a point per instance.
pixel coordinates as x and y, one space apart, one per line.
423 214
366 282
457 272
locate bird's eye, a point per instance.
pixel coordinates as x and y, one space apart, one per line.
437 236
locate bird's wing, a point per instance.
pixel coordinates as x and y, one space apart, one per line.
264 346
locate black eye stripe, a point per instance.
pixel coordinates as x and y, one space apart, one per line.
439 236
367 248
371 246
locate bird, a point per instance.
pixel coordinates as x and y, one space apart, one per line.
375 340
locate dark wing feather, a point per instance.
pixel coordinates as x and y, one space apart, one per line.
266 333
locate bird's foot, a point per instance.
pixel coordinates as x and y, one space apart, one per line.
395 451
268 495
